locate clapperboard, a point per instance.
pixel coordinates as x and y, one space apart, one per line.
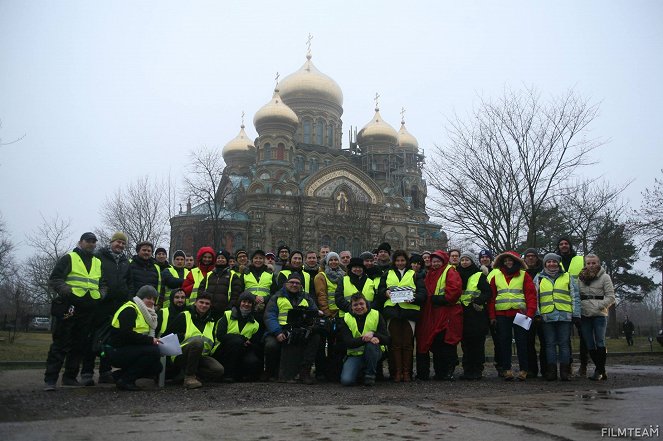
401 294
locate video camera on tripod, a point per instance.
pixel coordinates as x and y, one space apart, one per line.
301 322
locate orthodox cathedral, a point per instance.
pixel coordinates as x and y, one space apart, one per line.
296 185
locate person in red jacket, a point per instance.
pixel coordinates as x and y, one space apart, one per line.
513 292
440 327
196 276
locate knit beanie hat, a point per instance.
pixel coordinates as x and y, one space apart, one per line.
531 251
118 235
330 255
146 291
240 252
258 252
223 253
160 250
179 253
384 246
469 256
551 256
486 253
366 255
247 295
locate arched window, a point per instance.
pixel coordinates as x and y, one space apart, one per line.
414 193
356 247
268 151
307 131
325 240
313 165
280 151
319 131
299 163
340 243
330 135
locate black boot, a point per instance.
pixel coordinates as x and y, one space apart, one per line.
595 354
603 355
423 367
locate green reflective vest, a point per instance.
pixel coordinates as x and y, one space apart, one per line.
173 272
307 278
349 289
491 275
198 278
577 264
140 327
557 296
258 287
331 291
441 287
370 325
407 281
248 331
165 313
471 290
80 280
193 332
510 295
284 306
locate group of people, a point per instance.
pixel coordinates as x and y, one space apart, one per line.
273 317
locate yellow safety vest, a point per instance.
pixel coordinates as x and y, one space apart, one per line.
471 291
331 291
407 281
80 280
248 331
441 287
173 271
258 287
284 306
576 265
165 313
557 296
193 332
510 295
370 325
307 278
140 327
349 289
198 277
491 275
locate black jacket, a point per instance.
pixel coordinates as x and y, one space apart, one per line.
143 272
225 288
116 280
179 323
170 281
125 335
60 272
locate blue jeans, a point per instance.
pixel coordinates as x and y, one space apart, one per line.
557 335
593 331
353 364
506 330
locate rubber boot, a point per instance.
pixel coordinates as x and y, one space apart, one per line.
551 372
564 371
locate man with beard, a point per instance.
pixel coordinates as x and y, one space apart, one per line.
384 257
117 284
534 267
222 285
75 278
282 258
196 276
143 267
476 292
355 281
237 339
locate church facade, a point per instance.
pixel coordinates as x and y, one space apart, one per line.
296 185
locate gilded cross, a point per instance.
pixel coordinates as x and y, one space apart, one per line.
308 44
402 114
276 78
377 97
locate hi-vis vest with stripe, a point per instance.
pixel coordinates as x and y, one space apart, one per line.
576 265
441 287
165 313
331 290
370 325
407 281
349 289
192 332
284 306
510 295
248 331
173 272
140 327
198 278
82 281
557 296
307 278
471 291
258 287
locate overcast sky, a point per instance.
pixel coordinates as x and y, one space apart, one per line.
108 91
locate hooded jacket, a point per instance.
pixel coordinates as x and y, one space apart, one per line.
187 285
529 290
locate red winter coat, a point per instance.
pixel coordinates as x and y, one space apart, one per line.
530 297
187 285
441 313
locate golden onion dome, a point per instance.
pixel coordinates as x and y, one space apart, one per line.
405 138
275 112
309 82
377 130
241 143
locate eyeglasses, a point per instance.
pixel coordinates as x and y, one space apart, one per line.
294 283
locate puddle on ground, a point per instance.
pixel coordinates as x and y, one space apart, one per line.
591 427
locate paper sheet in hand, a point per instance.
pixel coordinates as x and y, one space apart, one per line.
523 321
400 295
170 345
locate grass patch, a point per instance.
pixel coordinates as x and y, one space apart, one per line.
27 346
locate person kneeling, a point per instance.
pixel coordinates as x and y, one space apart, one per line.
364 332
195 329
238 337
133 346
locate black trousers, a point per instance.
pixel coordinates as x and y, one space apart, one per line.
536 363
238 360
136 361
71 341
475 329
445 356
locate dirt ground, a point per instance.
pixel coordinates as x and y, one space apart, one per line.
22 398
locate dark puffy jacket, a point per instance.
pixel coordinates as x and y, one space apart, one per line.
144 272
115 279
225 288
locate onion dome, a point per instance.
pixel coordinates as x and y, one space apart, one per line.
275 112
377 131
240 144
405 138
308 82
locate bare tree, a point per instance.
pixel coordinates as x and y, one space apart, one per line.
210 190
6 249
140 209
50 241
503 165
650 222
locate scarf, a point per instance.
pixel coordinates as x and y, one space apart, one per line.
311 268
358 281
245 312
587 275
466 273
334 275
149 315
513 270
552 274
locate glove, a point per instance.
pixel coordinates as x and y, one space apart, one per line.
477 308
